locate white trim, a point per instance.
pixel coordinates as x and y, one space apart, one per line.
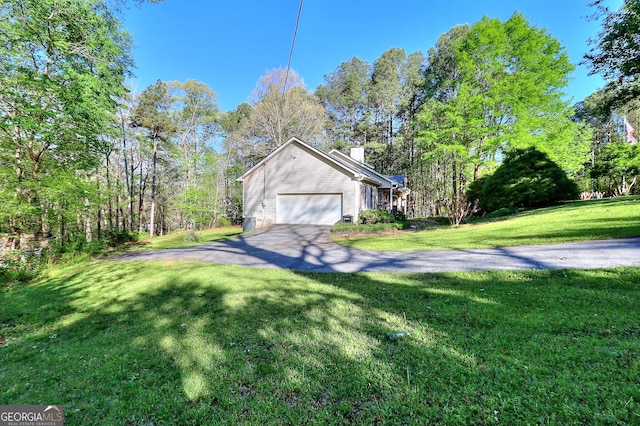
356 201
349 170
370 172
244 203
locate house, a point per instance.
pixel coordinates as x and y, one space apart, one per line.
299 184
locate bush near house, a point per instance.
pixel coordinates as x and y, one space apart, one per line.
373 222
375 228
369 217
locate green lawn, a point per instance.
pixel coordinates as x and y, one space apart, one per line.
578 221
164 343
185 238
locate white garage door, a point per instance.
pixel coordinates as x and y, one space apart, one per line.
316 209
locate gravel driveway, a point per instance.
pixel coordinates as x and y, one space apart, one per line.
309 248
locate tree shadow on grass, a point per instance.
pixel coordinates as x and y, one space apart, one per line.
185 343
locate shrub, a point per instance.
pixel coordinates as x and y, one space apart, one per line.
115 238
370 217
77 245
377 228
475 188
192 237
384 227
441 220
223 221
95 247
526 178
399 216
22 265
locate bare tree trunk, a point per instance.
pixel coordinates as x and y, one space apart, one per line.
130 189
454 181
87 221
63 230
119 219
99 223
128 175
142 188
153 189
99 212
390 166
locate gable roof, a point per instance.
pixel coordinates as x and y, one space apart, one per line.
346 167
385 181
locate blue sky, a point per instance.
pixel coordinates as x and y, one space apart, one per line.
230 44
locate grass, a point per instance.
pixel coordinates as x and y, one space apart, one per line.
578 221
185 343
185 238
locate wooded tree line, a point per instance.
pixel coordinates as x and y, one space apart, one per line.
84 157
449 117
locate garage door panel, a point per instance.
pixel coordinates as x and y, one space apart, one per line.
317 209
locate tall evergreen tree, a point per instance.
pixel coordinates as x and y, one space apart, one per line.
344 98
153 114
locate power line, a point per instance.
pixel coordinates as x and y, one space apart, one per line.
293 43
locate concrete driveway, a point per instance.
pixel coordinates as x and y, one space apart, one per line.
309 248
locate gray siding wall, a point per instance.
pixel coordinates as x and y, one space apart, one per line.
295 170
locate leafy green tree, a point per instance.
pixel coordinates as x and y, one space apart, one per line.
611 167
512 78
494 87
153 114
195 112
616 51
617 167
374 107
437 164
595 112
201 202
236 160
526 178
63 64
411 100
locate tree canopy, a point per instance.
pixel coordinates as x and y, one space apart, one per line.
63 64
493 87
283 109
80 151
616 51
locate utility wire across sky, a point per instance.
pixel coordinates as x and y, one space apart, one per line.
293 43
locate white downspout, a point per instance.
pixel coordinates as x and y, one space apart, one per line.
356 201
264 194
244 202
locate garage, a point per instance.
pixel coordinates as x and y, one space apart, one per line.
315 209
